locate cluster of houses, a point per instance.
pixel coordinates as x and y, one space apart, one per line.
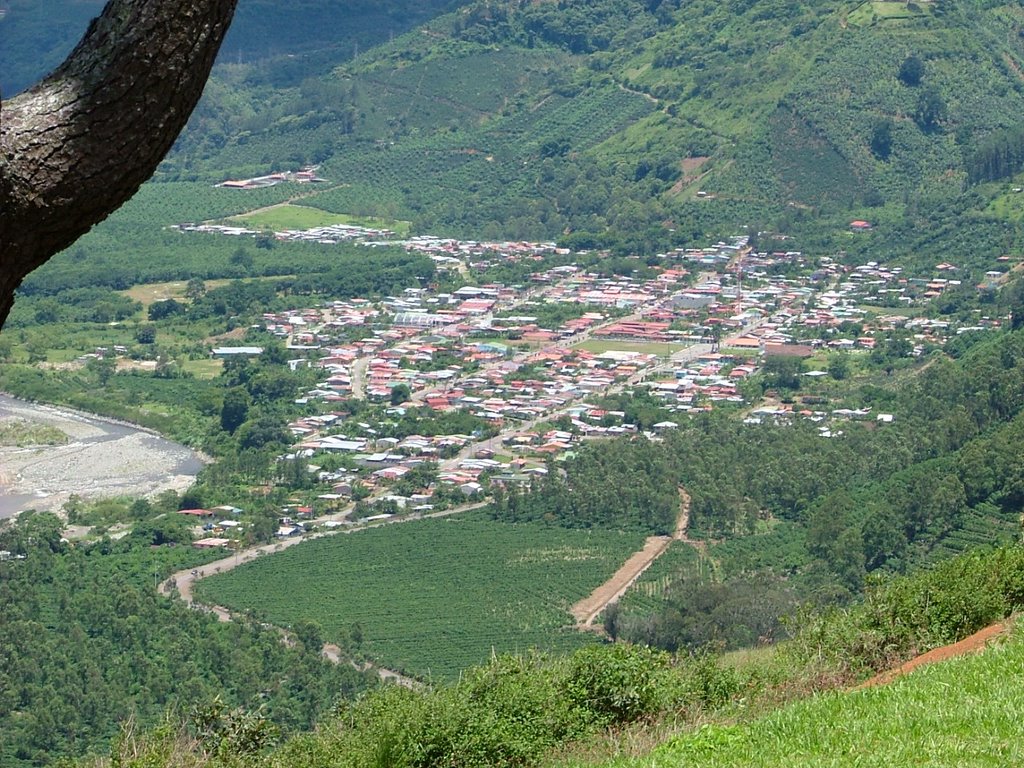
305 175
486 350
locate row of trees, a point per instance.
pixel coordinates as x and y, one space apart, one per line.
620 484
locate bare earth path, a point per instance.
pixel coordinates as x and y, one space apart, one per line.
979 641
590 607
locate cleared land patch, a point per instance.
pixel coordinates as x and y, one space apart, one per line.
299 217
435 596
888 10
150 293
597 346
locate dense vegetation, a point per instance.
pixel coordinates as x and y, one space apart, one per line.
88 643
617 485
282 45
624 125
431 598
618 123
526 711
606 119
802 516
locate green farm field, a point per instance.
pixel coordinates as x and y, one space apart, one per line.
433 597
650 589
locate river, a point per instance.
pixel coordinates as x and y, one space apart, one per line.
102 458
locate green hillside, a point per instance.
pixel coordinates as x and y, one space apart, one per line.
659 122
288 41
909 722
621 126
625 706
629 124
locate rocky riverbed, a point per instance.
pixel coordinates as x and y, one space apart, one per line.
101 458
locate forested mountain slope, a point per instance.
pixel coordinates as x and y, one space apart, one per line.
297 36
620 123
637 123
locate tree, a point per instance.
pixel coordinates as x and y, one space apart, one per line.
262 431
242 259
235 409
195 289
839 366
911 70
881 139
931 109
158 310
146 334
783 372
400 393
103 367
79 144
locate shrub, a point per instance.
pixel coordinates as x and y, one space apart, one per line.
909 615
615 683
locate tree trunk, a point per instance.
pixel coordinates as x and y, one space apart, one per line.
78 145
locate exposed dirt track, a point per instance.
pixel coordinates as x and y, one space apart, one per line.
590 607
979 641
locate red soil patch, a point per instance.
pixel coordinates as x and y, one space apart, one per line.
979 641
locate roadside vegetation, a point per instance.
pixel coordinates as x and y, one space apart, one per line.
535 710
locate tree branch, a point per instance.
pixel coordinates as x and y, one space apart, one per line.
79 144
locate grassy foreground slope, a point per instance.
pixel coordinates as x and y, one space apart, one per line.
963 712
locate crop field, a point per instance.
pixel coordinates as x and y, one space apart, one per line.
781 548
493 160
300 217
435 596
679 561
204 369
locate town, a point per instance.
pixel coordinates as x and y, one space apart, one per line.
487 385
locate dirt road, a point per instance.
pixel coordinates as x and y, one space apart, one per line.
590 607
979 641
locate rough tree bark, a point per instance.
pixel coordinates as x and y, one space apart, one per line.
79 144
